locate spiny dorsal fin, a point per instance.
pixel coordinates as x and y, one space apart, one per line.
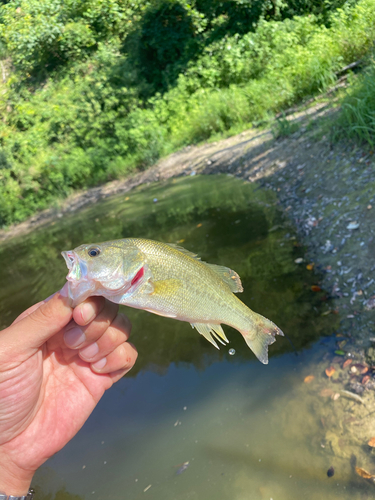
183 250
229 277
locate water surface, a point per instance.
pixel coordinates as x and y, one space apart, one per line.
247 431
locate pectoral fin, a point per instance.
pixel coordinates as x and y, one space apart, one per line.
164 289
211 332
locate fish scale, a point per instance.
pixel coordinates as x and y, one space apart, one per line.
169 281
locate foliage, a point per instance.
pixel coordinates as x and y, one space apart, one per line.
43 34
284 127
163 43
357 115
103 86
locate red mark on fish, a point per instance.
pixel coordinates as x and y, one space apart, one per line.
138 276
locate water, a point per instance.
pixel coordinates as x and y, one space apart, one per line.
191 422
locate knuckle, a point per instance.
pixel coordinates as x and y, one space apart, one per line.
125 322
42 315
112 336
110 308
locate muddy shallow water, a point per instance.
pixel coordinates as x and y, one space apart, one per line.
191 422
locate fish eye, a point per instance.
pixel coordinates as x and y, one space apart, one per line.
93 252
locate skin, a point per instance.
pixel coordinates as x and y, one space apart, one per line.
56 362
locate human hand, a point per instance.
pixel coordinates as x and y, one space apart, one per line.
55 364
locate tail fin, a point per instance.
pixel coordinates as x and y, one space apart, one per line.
260 336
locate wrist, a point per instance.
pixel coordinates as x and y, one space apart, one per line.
13 480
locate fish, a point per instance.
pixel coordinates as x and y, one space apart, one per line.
167 280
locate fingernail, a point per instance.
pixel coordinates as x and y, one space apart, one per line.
74 337
100 364
90 351
88 312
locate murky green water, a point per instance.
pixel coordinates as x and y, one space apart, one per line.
247 431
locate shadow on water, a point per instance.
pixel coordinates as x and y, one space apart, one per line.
191 422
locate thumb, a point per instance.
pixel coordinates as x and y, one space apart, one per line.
34 329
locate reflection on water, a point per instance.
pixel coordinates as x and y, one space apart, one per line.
191 422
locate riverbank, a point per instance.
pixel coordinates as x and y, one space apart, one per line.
328 191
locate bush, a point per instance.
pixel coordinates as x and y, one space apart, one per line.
44 34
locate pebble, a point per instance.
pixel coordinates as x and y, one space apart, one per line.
330 472
352 225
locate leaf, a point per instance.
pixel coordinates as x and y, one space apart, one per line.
365 379
340 353
316 288
330 371
363 473
310 267
308 379
347 363
371 442
199 225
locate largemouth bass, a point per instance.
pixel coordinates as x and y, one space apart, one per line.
169 281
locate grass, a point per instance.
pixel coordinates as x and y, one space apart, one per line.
357 116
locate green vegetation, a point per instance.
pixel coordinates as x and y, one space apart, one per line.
357 115
100 87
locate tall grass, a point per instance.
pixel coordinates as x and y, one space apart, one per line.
357 115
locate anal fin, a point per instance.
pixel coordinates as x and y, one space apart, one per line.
211 332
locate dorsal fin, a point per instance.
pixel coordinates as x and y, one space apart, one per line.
183 250
229 276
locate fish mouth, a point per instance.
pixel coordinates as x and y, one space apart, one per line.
79 287
70 258
77 268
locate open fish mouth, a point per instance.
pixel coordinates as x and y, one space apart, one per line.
77 268
79 287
